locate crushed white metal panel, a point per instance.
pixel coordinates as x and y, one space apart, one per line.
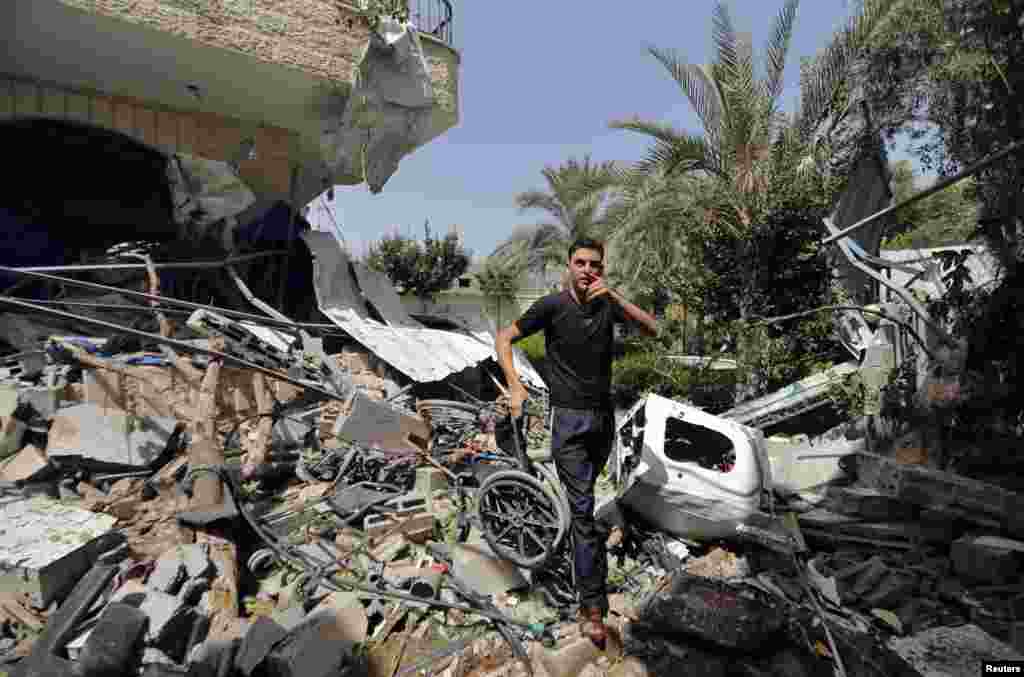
981 264
381 294
796 398
422 354
690 473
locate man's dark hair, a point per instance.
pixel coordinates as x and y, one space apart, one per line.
586 243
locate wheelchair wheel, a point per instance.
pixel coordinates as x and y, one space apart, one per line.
522 520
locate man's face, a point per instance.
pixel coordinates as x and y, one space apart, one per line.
585 266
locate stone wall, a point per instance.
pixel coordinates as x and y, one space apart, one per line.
316 36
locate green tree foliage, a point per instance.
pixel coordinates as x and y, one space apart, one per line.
575 201
742 202
947 217
502 276
420 268
949 73
953 69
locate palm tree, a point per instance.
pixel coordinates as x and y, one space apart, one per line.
745 138
576 202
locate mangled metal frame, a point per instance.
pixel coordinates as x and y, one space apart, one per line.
677 492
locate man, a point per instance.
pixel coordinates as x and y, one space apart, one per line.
578 333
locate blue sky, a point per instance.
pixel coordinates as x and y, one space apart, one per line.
539 83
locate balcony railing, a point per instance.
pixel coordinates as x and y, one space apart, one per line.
433 17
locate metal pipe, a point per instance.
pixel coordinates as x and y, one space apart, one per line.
186 265
181 345
166 299
941 185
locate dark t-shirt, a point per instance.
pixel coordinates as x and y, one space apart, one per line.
578 342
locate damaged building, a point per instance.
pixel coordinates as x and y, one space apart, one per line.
227 448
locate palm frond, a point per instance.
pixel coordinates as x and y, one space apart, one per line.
820 81
723 34
696 84
778 48
672 150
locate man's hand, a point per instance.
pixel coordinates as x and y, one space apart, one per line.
516 397
596 289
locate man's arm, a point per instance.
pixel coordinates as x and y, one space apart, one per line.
503 347
632 312
635 313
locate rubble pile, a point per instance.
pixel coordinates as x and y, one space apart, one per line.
275 498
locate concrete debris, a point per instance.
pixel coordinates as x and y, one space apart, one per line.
29 463
729 552
946 652
483 572
46 546
114 441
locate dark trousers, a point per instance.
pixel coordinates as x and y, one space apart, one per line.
581 441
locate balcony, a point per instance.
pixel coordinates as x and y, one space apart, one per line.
433 18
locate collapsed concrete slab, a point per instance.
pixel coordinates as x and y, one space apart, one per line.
46 546
114 440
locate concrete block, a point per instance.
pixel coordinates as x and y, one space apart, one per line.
257 643
46 546
112 648
168 574
987 559
196 557
483 572
742 617
952 651
206 658
112 438
318 648
170 623
192 591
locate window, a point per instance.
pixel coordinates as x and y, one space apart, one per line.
686 442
